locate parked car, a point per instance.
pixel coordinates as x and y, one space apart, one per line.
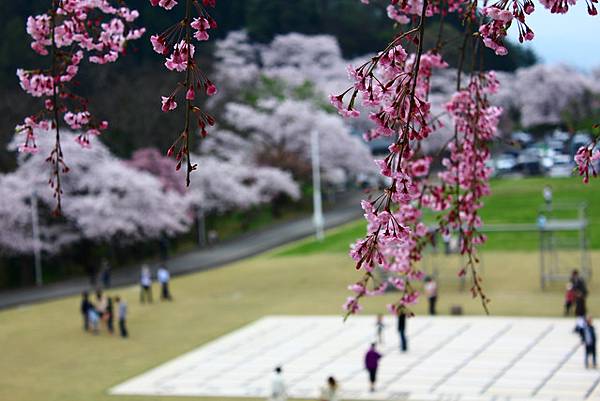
522 138
529 162
505 163
563 166
561 136
579 140
556 145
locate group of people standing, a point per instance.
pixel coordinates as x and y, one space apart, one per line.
163 276
575 298
101 312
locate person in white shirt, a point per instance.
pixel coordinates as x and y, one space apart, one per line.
278 390
431 291
547 192
163 278
146 285
329 392
379 328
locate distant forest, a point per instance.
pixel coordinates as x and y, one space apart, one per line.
125 92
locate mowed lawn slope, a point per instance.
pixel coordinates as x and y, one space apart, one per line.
46 356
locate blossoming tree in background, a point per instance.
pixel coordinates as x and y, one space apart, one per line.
104 199
224 184
294 63
69 32
276 133
533 92
273 95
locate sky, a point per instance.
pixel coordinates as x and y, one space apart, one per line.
572 38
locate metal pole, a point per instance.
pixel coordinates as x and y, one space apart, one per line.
36 240
585 266
201 227
316 170
542 259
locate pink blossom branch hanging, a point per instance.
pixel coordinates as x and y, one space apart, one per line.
67 32
395 87
176 44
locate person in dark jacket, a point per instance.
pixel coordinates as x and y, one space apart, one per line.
588 338
110 315
401 331
85 308
105 273
578 283
371 364
580 311
122 316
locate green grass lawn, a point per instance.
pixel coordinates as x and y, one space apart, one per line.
512 201
46 356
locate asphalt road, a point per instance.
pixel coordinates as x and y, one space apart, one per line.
248 244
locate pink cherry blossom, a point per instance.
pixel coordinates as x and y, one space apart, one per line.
168 103
201 25
585 158
211 89
158 44
190 94
178 60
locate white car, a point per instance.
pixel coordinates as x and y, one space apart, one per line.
505 163
563 166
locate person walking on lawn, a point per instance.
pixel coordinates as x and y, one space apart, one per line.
163 278
122 317
145 285
85 309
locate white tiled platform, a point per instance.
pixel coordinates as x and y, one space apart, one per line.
449 358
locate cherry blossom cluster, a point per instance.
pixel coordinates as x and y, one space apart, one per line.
404 11
395 87
494 32
503 13
396 234
176 44
465 180
500 15
69 32
386 82
562 6
585 158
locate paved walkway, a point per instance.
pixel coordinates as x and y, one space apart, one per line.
449 358
246 245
